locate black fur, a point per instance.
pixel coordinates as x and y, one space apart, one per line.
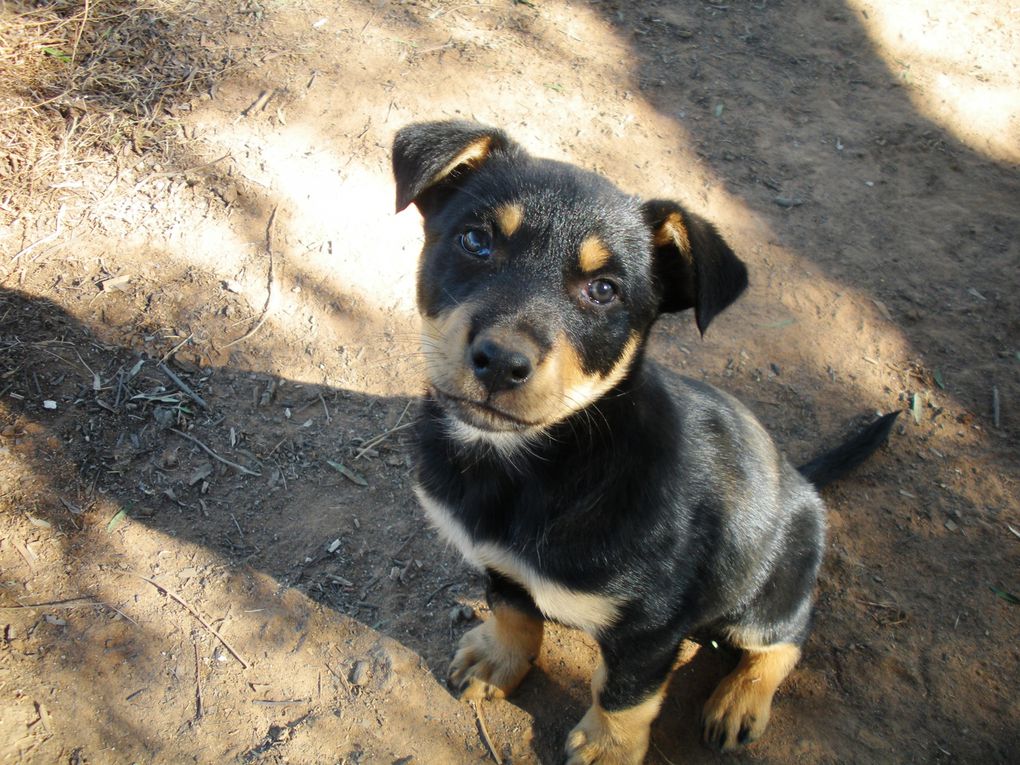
831 466
662 495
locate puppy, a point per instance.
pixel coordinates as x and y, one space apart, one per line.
591 488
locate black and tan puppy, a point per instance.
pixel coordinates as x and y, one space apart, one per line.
592 488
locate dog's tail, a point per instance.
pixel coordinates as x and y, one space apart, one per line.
833 465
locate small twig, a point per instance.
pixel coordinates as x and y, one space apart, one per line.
55 604
174 350
213 454
45 240
889 606
374 442
81 29
283 476
183 386
269 291
238 527
297 410
259 103
340 676
96 381
400 419
370 20
185 171
198 685
192 611
371 583
280 702
439 589
325 409
404 544
484 731
995 406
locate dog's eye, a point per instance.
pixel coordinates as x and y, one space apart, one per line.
600 291
477 242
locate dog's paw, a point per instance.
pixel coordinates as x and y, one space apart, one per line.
739 709
605 738
494 657
736 714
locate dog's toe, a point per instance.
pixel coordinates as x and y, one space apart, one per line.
605 738
485 666
734 720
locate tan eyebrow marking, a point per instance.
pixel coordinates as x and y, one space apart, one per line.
593 254
509 217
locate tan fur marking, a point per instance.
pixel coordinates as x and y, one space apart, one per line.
673 230
495 656
593 254
742 703
558 388
580 389
508 218
472 154
443 338
619 737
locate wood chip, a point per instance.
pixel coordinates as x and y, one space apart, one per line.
116 284
201 472
360 673
346 472
883 309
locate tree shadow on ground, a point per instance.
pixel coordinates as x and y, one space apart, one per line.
761 149
798 116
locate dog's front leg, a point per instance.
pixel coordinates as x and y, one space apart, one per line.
627 691
494 657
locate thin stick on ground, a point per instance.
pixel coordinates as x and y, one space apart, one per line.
376 440
45 240
77 36
198 685
192 611
213 454
81 602
176 348
183 172
183 386
269 292
484 731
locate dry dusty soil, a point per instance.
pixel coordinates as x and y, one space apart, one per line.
209 548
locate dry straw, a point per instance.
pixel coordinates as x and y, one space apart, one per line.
82 80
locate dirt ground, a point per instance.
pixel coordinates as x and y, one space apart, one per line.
209 547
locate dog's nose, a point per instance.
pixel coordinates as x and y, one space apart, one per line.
498 367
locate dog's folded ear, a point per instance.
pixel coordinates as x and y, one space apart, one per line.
693 264
429 156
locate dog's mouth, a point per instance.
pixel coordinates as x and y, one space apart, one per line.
481 414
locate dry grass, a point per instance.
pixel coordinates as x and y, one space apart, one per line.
84 79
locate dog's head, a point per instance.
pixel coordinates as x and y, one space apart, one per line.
539 281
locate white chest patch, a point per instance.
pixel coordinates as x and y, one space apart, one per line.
585 610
